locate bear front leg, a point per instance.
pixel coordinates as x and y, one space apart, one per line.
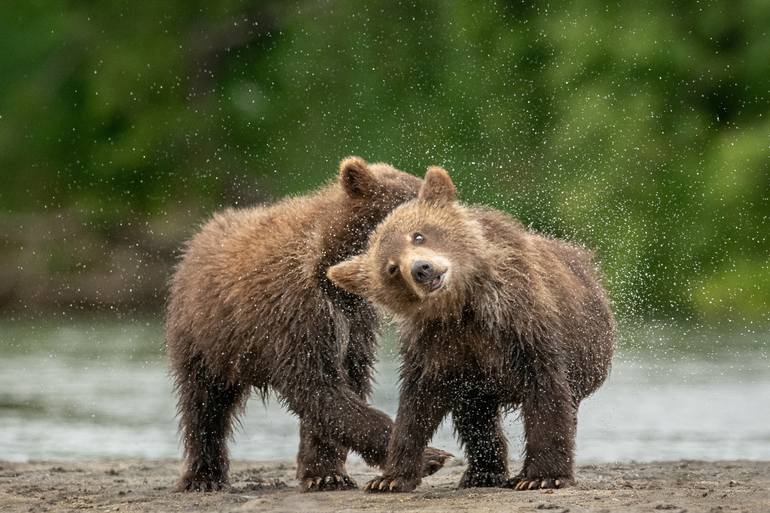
321 463
477 420
323 398
359 363
339 416
550 421
359 359
421 408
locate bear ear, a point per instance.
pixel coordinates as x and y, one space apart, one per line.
437 187
350 275
356 178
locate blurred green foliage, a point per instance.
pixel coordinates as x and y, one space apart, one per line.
638 128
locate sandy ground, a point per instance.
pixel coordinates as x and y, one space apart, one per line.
132 486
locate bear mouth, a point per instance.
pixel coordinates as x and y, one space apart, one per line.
436 283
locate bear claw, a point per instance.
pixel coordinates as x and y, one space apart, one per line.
389 484
521 483
328 483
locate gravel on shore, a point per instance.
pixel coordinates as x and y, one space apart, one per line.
146 486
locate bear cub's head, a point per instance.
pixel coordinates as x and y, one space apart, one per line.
422 259
376 188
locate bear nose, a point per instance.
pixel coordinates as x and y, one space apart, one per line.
422 271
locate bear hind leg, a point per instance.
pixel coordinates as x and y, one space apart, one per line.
550 425
207 408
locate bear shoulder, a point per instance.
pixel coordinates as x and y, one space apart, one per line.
497 227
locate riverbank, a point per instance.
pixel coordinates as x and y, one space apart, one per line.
145 486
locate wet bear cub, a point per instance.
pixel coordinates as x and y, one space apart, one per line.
491 317
251 308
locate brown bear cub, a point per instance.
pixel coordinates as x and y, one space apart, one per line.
491 317
251 308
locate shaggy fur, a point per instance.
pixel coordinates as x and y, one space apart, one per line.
251 308
492 317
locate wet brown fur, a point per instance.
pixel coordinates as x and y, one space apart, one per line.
522 323
251 308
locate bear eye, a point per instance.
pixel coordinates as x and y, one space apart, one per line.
392 269
418 238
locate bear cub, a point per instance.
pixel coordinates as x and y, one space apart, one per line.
251 308
492 317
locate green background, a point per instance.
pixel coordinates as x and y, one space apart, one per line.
641 129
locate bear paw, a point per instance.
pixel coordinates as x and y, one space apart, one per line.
328 483
385 484
193 483
433 460
521 483
472 479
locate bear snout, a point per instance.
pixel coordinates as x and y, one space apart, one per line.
428 274
423 271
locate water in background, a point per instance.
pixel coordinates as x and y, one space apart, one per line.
99 389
